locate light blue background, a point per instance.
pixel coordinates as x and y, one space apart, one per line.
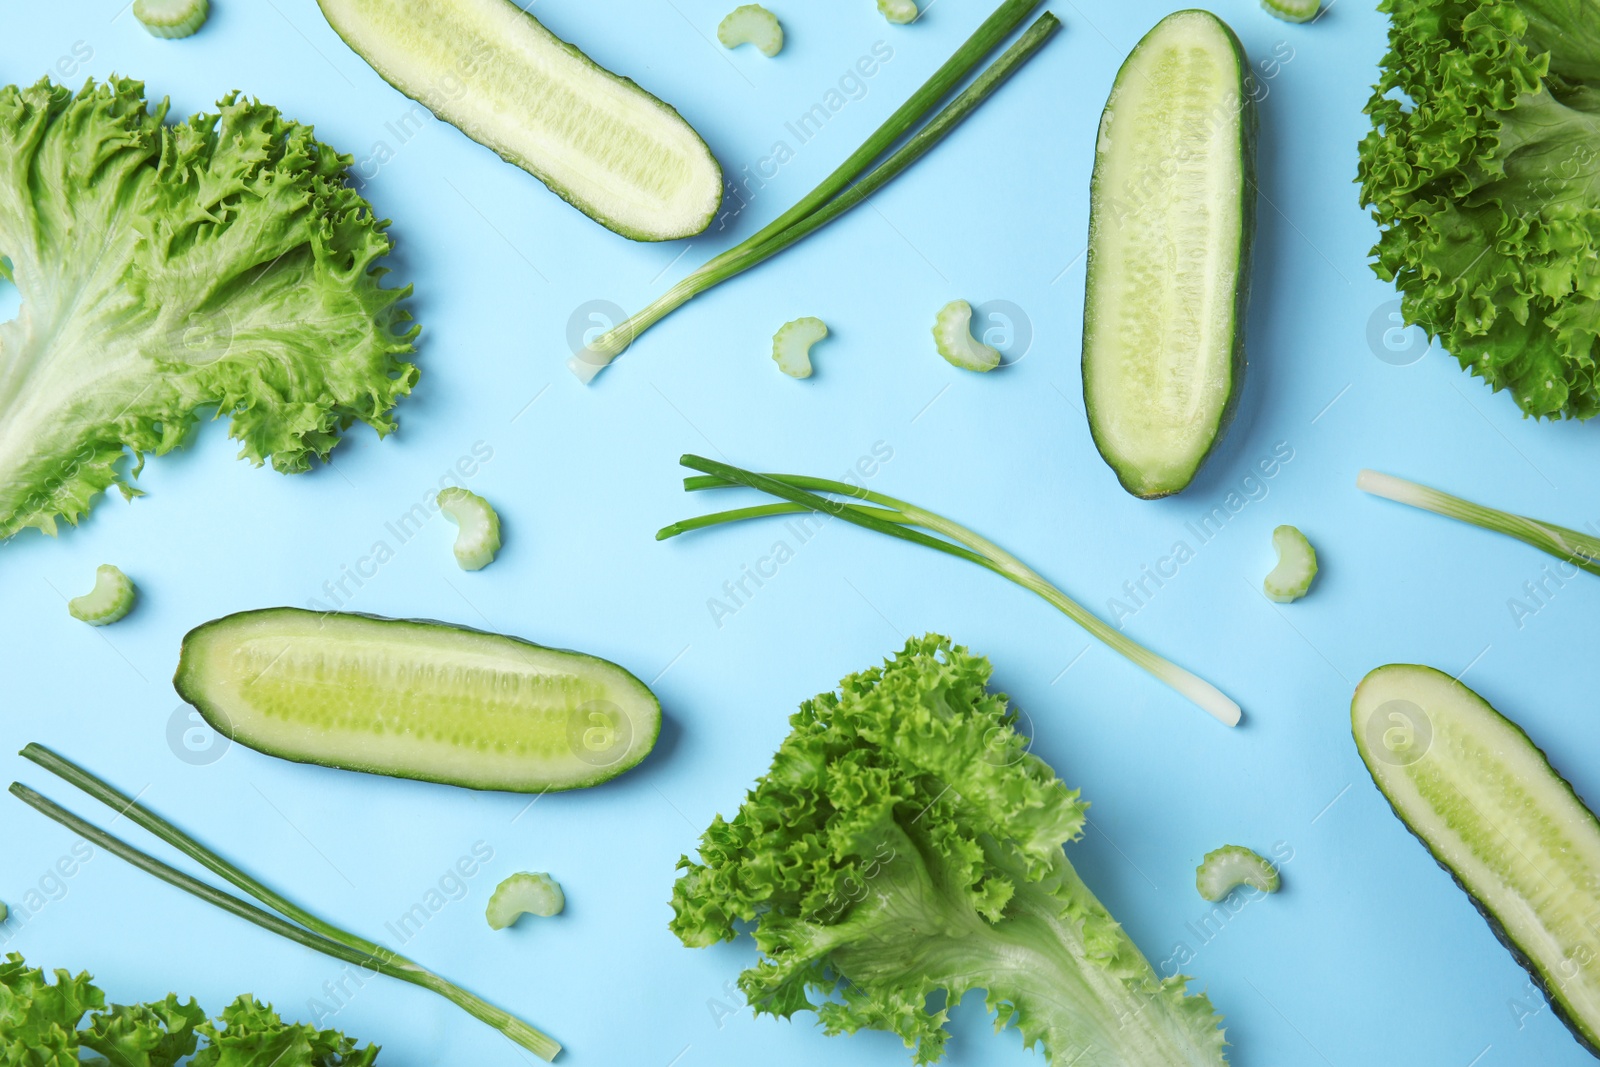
1369 955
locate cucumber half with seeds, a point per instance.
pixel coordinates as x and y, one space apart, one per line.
487 67
1487 804
1171 215
416 699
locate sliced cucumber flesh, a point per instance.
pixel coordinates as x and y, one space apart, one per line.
171 18
1168 261
111 598
478 527
1234 865
791 345
524 894
1291 578
416 699
952 336
1493 812
609 148
751 24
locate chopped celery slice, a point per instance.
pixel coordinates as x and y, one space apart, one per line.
898 11
524 894
751 24
1230 866
1297 566
952 333
110 599
791 345
171 18
478 536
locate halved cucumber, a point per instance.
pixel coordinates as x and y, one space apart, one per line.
1171 214
1484 800
613 151
416 699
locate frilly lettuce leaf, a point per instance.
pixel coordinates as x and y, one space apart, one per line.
252 1035
906 845
39 1027
220 262
1480 170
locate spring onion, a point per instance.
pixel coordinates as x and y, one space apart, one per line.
295 923
1579 549
851 182
897 518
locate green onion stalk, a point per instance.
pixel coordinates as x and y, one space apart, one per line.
305 929
848 185
1581 550
899 519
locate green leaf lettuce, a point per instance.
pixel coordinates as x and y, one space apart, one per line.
219 262
905 845
1481 172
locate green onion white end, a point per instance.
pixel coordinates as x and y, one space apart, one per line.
478 536
898 11
791 345
952 333
171 18
751 24
111 598
1297 566
524 894
1579 549
1234 865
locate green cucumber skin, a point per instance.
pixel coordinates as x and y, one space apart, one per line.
1249 123
572 197
1589 1041
189 683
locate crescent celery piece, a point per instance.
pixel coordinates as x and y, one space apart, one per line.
1230 866
286 918
111 598
597 140
1477 792
897 518
852 181
751 24
952 335
905 845
1571 546
898 11
220 262
1291 578
478 527
171 18
1171 218
791 345
524 894
417 699
1292 10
